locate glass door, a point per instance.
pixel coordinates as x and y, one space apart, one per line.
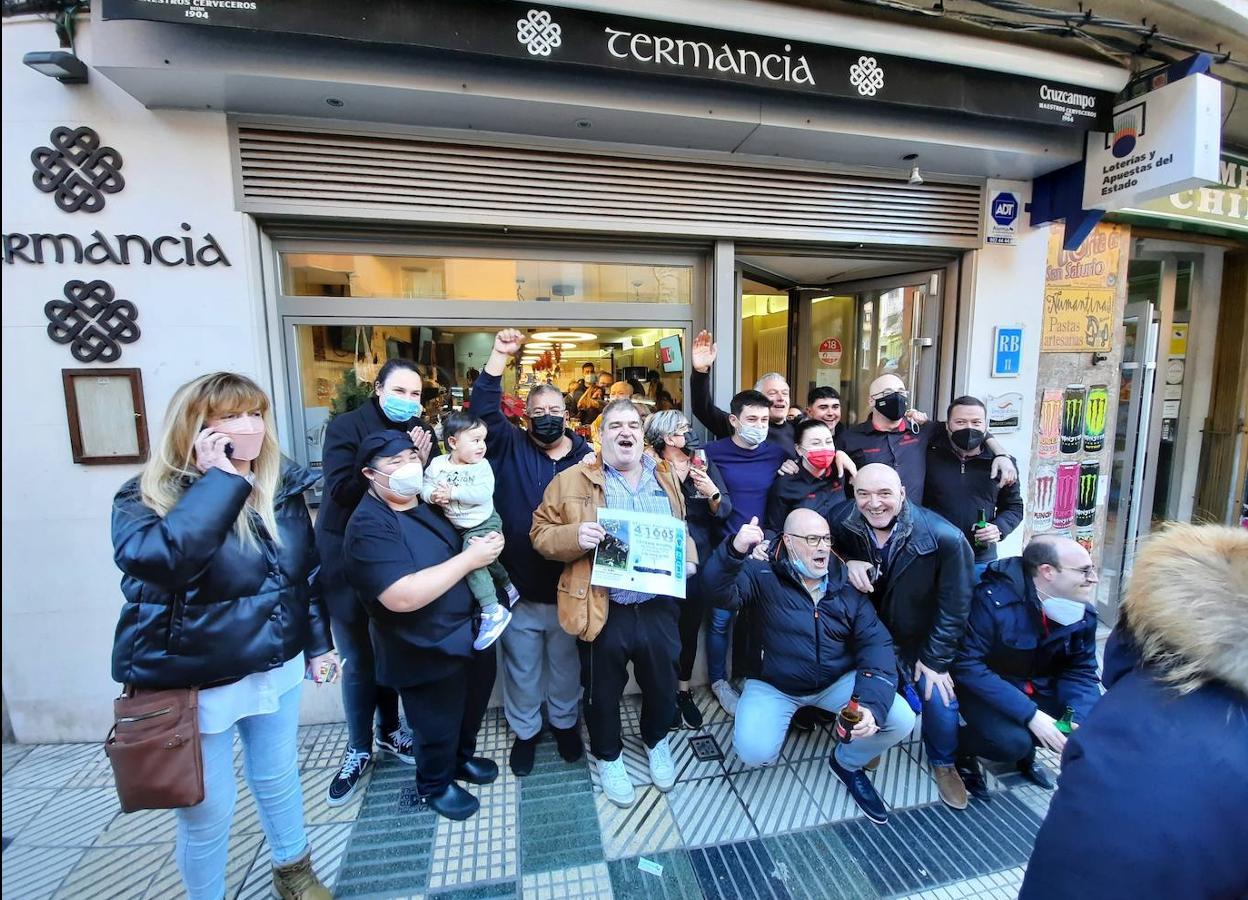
1125 524
860 331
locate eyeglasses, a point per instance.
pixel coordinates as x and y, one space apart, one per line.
814 540
1087 572
553 411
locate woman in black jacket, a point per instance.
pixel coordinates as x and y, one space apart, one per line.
219 563
670 438
396 407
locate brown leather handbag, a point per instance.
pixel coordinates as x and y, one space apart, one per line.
155 750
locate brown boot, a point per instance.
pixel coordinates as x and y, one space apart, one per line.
873 765
949 784
297 881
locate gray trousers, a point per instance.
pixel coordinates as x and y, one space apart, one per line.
540 663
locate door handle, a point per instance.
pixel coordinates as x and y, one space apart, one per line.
923 341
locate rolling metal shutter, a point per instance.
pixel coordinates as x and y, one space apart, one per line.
285 170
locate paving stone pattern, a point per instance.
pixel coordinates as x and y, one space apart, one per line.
723 832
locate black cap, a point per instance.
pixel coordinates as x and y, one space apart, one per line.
381 443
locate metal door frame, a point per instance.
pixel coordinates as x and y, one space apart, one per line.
1126 522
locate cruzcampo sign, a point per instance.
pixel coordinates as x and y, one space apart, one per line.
1224 205
562 39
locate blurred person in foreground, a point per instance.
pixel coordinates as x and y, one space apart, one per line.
1153 796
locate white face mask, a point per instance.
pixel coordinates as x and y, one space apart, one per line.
752 435
406 480
1063 611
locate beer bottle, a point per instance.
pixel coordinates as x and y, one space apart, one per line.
1066 724
849 716
981 521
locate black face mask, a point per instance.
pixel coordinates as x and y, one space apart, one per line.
968 439
546 429
892 406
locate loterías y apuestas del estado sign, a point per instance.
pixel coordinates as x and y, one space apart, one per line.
98 248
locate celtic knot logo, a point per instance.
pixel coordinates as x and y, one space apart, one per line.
866 76
539 33
76 170
92 321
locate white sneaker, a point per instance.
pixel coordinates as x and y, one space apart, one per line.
727 696
615 782
492 625
662 769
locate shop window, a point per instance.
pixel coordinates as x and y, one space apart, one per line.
478 279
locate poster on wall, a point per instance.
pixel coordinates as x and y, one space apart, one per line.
1076 319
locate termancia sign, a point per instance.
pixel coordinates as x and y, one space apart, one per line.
562 38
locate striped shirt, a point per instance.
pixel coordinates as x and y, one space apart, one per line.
647 497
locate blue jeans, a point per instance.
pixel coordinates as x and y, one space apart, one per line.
940 726
271 765
764 712
717 645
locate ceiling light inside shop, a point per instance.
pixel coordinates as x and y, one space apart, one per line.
565 336
538 345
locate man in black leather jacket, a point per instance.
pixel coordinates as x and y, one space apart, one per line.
917 569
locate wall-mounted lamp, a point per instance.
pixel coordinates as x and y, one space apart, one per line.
59 64
916 177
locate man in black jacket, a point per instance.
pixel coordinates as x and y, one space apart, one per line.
525 461
848 653
960 484
919 570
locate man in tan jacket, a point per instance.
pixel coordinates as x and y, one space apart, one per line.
616 626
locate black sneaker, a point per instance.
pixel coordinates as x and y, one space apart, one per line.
523 754
399 743
355 765
1031 769
861 789
568 742
973 777
687 709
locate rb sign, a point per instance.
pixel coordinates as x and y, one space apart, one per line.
1007 352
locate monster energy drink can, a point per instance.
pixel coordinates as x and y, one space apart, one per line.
1042 501
1094 418
1072 417
1050 423
1064 496
1085 505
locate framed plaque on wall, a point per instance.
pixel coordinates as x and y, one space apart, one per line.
106 414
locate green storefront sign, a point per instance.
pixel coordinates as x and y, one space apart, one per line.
1218 209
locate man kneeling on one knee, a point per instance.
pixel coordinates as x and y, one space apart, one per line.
822 644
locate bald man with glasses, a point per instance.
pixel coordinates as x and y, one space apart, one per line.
822 644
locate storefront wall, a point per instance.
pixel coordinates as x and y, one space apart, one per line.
60 594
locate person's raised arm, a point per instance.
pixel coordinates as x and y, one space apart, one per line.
702 356
726 575
486 399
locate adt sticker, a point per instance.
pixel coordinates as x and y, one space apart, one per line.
1004 210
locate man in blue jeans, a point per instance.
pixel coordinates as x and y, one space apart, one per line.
847 653
918 570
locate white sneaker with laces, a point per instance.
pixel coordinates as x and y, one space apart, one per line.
662 769
492 625
615 782
727 696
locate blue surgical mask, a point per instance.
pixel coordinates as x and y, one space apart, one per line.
400 409
802 569
753 435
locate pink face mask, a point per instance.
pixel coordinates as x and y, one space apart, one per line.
246 434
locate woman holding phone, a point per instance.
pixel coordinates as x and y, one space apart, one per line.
219 565
670 437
